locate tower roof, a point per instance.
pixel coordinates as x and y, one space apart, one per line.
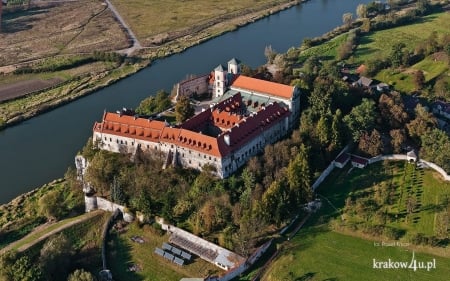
234 61
220 68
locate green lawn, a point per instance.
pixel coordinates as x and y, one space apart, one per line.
318 253
326 50
380 43
124 252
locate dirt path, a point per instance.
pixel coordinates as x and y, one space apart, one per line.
45 235
136 44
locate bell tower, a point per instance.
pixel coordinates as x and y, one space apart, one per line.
220 81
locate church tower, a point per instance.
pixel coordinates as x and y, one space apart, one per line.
233 66
220 81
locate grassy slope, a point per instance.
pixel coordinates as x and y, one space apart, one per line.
318 252
379 45
380 42
154 267
326 255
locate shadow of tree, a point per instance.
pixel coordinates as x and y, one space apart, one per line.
21 20
306 277
119 259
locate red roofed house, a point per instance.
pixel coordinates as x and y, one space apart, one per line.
359 162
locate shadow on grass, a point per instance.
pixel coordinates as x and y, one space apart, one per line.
21 20
119 259
306 277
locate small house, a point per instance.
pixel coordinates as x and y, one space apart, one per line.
342 160
364 82
411 156
359 162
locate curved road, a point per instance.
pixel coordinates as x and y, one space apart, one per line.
136 44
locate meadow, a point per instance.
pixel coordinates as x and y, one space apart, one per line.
322 252
174 18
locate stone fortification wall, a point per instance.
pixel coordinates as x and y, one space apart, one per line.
95 202
437 169
197 85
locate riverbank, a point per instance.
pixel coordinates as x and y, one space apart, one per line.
80 88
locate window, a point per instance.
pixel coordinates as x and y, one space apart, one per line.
148 146
110 139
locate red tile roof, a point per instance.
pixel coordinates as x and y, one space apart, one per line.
130 126
359 160
342 158
262 86
242 132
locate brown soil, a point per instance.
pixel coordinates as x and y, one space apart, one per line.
19 89
48 29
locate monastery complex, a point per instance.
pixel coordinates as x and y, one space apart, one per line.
244 116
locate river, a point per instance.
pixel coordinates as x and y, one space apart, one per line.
42 148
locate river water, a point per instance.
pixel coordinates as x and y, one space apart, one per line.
41 149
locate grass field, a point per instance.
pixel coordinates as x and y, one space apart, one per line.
318 253
150 18
379 43
124 252
326 50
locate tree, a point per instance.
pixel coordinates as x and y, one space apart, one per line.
183 109
361 11
371 144
270 54
436 148
15 267
299 177
117 194
347 18
396 56
361 119
392 110
442 88
398 139
55 256
419 79
423 122
52 206
154 104
81 275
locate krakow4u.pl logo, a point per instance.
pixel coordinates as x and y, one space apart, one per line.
413 264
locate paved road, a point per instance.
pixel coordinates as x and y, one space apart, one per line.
45 235
136 44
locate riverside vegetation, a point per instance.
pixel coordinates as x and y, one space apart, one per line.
246 209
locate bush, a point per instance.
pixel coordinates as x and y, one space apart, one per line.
393 233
